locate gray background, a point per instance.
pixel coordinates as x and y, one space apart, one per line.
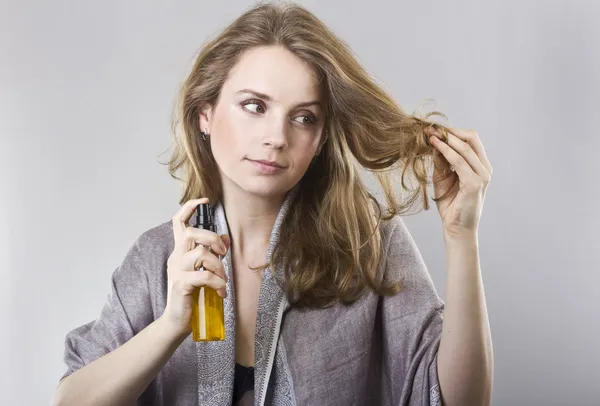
86 90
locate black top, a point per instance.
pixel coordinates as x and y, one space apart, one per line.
243 385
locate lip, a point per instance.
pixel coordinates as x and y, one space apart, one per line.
269 163
267 167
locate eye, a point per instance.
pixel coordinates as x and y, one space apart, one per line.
254 106
306 120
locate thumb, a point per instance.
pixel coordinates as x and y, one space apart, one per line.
226 240
442 170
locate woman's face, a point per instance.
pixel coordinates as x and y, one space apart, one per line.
266 126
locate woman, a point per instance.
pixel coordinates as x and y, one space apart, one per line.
272 118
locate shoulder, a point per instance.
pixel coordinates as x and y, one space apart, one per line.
400 253
402 261
394 230
152 247
156 238
142 271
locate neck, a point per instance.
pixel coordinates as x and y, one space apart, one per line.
250 224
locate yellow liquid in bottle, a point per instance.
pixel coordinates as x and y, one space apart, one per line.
208 315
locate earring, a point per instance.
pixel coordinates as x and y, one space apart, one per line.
204 134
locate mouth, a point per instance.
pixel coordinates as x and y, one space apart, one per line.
273 164
266 167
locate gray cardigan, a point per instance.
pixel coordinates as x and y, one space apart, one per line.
377 351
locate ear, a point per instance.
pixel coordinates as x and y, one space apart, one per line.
204 116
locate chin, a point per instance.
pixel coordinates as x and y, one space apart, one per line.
264 190
264 186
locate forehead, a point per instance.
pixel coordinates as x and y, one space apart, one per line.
275 71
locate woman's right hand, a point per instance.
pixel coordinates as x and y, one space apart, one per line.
189 254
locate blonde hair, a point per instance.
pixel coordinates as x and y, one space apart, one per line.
329 245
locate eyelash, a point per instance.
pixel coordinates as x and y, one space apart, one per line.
261 105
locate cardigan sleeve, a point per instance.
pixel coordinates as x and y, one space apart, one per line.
126 311
411 323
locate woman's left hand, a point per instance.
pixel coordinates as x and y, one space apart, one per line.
463 156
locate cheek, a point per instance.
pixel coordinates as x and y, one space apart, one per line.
304 152
228 135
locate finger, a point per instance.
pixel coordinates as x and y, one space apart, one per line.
209 279
180 220
440 162
208 238
461 167
465 150
200 257
442 165
471 137
226 241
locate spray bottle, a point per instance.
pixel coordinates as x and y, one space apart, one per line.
208 316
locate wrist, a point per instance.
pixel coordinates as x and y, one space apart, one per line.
461 237
172 333
461 245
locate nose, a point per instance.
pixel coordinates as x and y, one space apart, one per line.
275 135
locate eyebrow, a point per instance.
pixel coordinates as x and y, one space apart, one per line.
269 98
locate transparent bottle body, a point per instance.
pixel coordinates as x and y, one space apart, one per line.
208 316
